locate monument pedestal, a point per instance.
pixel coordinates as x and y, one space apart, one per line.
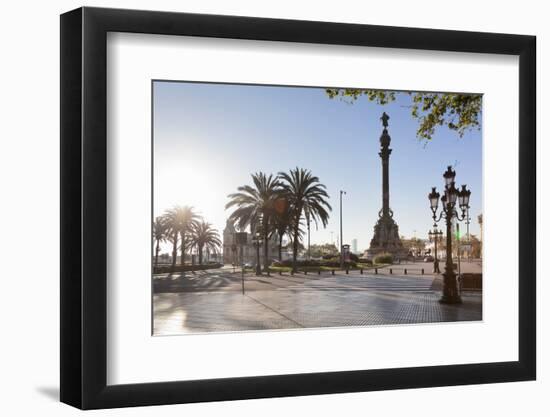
386 240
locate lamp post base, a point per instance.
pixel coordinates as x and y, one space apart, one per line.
450 294
450 299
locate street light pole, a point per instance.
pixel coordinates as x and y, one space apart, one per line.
257 242
435 236
308 238
468 234
341 233
449 201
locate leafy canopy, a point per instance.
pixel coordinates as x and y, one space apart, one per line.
459 112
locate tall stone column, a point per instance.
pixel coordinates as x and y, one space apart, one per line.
386 232
385 153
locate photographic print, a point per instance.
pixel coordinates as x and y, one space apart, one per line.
287 207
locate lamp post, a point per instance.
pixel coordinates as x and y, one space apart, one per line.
257 241
449 212
341 234
468 219
435 236
308 221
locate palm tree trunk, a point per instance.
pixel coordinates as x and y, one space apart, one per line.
266 250
200 254
280 248
174 249
295 248
296 236
157 250
182 260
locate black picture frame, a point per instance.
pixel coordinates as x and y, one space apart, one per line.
84 207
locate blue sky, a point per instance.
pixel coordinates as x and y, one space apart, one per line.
208 138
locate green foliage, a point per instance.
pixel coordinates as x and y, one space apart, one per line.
459 112
279 204
255 206
306 196
163 269
204 236
179 220
181 226
383 258
413 243
326 250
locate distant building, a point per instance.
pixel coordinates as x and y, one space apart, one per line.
354 245
231 252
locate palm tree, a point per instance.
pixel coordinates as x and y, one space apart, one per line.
172 231
305 194
281 222
204 236
181 220
255 207
160 234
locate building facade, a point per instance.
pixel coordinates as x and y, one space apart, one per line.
232 252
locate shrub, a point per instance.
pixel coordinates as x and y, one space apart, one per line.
365 261
164 269
383 258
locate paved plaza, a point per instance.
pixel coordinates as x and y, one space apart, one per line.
212 301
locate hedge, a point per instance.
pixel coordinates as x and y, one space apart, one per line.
163 269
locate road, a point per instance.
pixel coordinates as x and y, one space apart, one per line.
212 301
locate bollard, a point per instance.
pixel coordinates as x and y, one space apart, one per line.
391 272
361 271
333 272
292 272
347 271
305 271
280 272
422 271
318 272
405 271
268 273
376 271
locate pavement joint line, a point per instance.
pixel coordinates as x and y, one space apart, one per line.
275 311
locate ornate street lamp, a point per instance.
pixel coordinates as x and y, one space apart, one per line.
449 176
257 241
435 236
448 211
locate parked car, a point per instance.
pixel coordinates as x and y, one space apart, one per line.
428 258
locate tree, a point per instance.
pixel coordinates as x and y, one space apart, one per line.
325 249
181 219
172 230
160 234
204 236
255 207
305 194
459 112
281 221
476 246
414 244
